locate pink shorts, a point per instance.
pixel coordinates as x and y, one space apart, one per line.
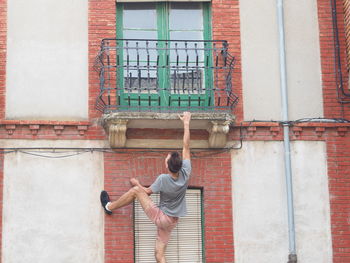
165 224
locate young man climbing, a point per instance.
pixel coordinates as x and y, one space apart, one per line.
172 188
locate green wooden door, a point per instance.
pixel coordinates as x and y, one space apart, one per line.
165 73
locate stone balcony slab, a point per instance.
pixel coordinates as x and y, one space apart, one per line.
216 123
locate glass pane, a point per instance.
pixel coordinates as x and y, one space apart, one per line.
140 16
145 49
186 35
139 71
187 81
139 34
186 16
191 52
139 80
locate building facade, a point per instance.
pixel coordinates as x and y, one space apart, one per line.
90 93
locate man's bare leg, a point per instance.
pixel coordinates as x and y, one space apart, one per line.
127 198
160 251
140 194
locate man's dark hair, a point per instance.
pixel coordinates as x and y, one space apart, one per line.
174 162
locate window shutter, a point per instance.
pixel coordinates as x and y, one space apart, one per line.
186 242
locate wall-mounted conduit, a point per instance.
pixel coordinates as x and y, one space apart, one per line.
346 5
342 93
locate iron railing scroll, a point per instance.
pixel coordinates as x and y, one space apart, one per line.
164 75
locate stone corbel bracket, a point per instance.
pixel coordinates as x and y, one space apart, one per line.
117 133
218 131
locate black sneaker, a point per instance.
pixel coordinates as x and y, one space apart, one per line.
104 197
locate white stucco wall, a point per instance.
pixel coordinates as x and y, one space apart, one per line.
260 206
260 60
51 208
259 203
47 59
303 59
312 202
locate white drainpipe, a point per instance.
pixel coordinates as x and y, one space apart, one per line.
292 257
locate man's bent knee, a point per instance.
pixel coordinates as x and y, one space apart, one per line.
142 197
138 190
139 193
135 190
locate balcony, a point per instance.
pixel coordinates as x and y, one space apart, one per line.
144 82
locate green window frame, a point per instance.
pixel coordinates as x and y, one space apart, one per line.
164 96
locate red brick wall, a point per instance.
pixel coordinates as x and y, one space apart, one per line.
119 167
213 173
338 151
102 24
332 108
338 147
226 26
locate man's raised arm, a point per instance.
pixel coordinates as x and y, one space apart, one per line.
186 118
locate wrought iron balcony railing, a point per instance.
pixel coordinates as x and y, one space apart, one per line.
164 75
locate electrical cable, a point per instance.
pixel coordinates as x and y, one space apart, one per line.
318 120
53 157
328 120
6 152
38 151
65 152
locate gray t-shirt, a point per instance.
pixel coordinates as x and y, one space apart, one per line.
172 191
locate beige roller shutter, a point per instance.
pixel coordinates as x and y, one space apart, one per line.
186 242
